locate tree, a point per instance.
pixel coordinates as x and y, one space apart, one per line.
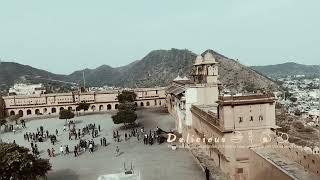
14 118
125 117
126 109
127 96
18 163
2 108
66 114
2 122
127 106
83 106
293 99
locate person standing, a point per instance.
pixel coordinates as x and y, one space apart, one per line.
90 148
52 152
75 151
49 153
56 132
207 172
99 128
105 141
67 149
117 151
61 150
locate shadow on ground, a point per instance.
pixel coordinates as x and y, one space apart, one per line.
66 174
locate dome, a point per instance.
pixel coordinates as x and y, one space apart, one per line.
178 78
199 60
209 58
185 78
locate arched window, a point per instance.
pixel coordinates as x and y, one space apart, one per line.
93 108
62 108
109 106
37 111
20 113
53 110
141 104
260 118
29 112
116 106
148 103
100 107
12 113
70 108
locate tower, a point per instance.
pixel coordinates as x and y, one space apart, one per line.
205 70
205 79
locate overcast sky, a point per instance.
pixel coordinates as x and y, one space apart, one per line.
66 35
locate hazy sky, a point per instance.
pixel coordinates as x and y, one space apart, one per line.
66 35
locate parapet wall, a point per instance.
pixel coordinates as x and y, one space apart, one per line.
308 157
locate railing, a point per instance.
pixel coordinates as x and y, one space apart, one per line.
245 97
209 117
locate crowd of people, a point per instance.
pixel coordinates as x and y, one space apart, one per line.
81 134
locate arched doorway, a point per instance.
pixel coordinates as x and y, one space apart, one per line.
93 108
20 113
109 106
148 103
116 106
141 104
12 113
53 110
45 110
29 112
37 111
136 104
100 107
70 108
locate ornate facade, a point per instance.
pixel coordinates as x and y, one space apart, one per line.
52 104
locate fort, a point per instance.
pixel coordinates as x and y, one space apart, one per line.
246 122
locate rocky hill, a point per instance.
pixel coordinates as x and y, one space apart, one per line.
158 68
288 69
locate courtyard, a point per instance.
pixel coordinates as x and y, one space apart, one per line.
152 162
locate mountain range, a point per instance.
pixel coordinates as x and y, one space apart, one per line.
157 68
288 69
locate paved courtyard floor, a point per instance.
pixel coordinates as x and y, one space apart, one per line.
153 162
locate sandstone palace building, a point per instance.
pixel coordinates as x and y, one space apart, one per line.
242 129
100 101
